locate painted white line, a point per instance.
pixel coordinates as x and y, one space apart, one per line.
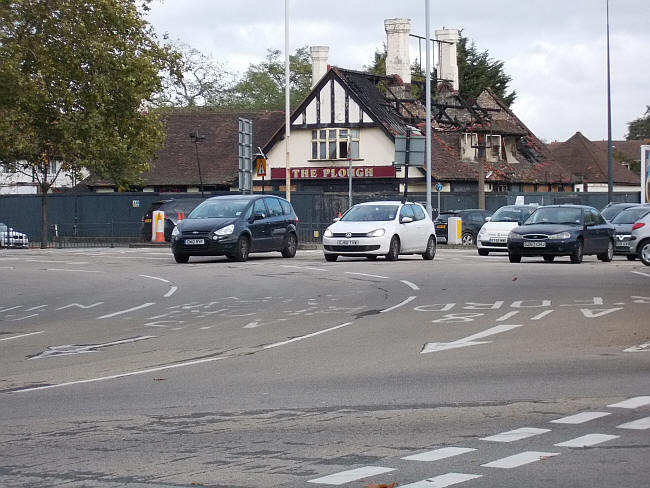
252 325
296 339
587 440
121 312
580 418
351 475
635 402
155 278
10 308
641 424
79 305
73 270
437 454
368 275
443 480
411 285
30 309
6 267
639 348
21 335
302 267
467 341
402 303
507 316
26 317
641 273
515 435
542 315
171 291
520 459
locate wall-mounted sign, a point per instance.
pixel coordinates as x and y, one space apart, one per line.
135 203
341 172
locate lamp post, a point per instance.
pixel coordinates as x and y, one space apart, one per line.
610 181
195 137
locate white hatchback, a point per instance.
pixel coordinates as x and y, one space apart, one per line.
493 236
387 229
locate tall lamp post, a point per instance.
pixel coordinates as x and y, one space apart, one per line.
195 137
610 179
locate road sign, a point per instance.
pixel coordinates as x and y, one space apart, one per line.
415 150
245 150
260 166
438 186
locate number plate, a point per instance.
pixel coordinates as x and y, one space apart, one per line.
441 226
534 244
623 244
348 243
499 240
194 242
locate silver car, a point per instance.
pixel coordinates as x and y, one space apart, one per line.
640 239
10 238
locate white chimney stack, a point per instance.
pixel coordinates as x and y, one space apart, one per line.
447 61
397 45
319 60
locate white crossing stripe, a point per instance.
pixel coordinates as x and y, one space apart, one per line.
443 480
519 459
541 315
351 475
635 402
580 418
587 440
21 335
133 309
515 435
437 454
641 424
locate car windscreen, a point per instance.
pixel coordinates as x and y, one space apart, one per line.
512 214
631 215
556 215
370 213
216 209
444 216
612 211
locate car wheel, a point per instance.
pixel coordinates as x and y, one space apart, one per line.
549 259
630 257
483 252
331 257
181 258
514 258
289 250
644 253
577 255
242 249
608 255
393 250
468 239
430 251
372 257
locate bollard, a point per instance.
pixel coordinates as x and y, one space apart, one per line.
454 230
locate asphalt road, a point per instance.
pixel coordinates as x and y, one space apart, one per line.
123 368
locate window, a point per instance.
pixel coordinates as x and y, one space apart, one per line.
273 204
493 151
335 144
259 208
407 211
286 207
419 213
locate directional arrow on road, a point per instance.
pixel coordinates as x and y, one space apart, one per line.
467 341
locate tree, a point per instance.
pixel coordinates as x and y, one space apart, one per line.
639 128
74 76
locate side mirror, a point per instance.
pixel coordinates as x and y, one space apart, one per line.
406 220
336 219
259 216
487 219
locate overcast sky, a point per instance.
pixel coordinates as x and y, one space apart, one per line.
554 50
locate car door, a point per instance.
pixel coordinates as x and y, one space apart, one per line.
601 231
277 223
422 228
258 226
590 234
407 230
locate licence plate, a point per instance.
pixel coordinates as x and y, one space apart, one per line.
623 244
499 240
147 221
441 226
348 243
534 244
194 242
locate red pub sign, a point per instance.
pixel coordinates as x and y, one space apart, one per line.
319 173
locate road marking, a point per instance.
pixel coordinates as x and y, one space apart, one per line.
252 325
639 348
296 339
121 312
641 424
467 341
302 267
641 273
10 308
403 302
635 402
595 313
155 278
411 285
443 480
368 275
21 335
351 475
171 291
587 440
73 270
520 459
437 454
79 305
26 317
505 317
542 315
30 309
71 349
515 435
580 418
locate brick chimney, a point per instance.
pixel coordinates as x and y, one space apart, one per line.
397 45
447 62
319 59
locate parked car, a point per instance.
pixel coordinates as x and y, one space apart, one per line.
493 236
235 226
623 224
612 209
387 229
562 230
173 208
640 240
11 238
472 221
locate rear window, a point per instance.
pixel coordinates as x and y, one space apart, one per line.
286 207
631 215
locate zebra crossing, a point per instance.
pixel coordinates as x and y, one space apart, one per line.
512 461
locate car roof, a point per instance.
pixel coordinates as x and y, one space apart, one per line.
383 202
244 197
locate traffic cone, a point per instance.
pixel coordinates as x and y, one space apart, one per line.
158 226
339 215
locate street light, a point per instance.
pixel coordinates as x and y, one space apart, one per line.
195 137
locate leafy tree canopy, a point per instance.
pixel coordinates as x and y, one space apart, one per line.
639 128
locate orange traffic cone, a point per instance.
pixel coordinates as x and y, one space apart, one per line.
158 226
339 215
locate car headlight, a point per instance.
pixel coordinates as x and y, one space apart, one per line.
560 235
513 235
224 231
376 233
482 232
328 233
176 232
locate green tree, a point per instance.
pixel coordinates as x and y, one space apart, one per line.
639 128
74 78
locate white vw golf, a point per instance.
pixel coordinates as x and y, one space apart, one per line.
374 229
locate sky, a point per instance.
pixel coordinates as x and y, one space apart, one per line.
554 50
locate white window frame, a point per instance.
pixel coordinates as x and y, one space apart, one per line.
334 143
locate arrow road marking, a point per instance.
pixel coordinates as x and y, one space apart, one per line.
467 341
640 348
70 349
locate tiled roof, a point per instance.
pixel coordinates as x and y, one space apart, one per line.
629 150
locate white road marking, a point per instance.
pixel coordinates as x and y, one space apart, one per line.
252 325
10 308
437 454
6 267
580 418
413 286
26 317
640 401
641 424
443 480
639 348
296 339
368 275
520 459
121 312
171 291
507 316
351 475
587 440
542 315
79 305
73 270
595 313
155 278
641 273
21 335
302 267
71 349
515 435
30 309
467 341
403 302
594 301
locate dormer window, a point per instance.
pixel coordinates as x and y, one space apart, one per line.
469 151
335 144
